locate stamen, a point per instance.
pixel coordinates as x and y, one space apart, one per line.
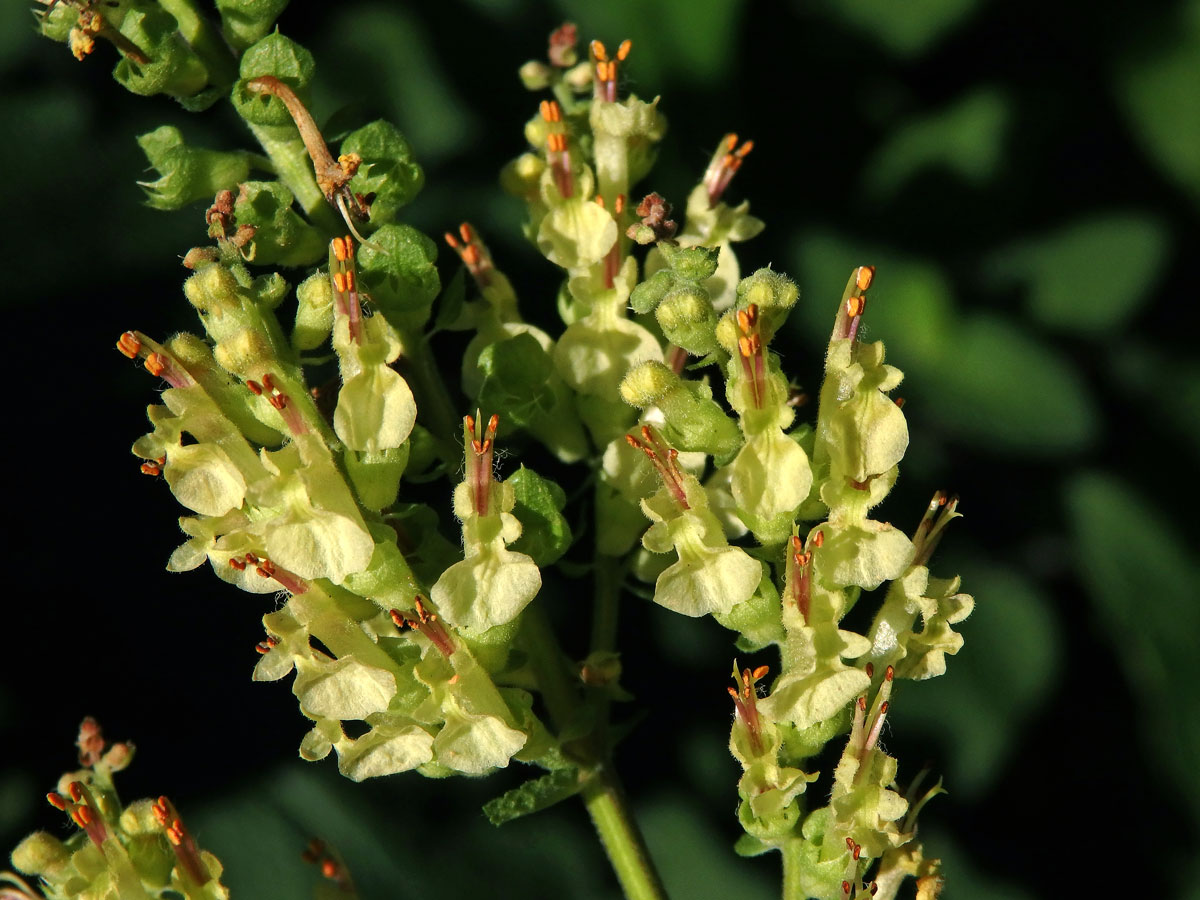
345 286
745 701
606 69
155 358
557 155
186 851
427 624
474 254
854 303
750 351
942 510
723 166
665 462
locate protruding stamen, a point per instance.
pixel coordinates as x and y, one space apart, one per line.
155 358
665 462
942 510
752 353
186 851
606 69
723 166
279 401
798 572
473 252
345 285
129 344
478 445
427 624
557 154
745 701
854 303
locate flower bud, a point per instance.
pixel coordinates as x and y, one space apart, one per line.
245 21
535 75
314 312
281 58
39 853
688 319
646 383
246 354
691 263
171 67
186 174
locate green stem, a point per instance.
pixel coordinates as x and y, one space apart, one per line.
793 868
291 161
434 404
608 573
606 804
204 39
602 794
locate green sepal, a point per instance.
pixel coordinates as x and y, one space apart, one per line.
376 476
187 174
281 237
534 796
696 422
245 21
545 533
690 263
400 276
173 67
284 59
517 375
748 845
688 320
649 293
387 579
314 312
801 743
757 620
388 169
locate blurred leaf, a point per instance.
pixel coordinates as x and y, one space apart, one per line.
692 41
966 137
1157 86
1091 276
963 879
694 858
1142 578
1011 640
908 28
389 50
1005 389
1168 384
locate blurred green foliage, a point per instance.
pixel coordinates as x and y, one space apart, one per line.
1026 179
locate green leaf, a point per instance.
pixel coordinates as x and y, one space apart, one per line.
533 796
1091 276
1156 84
451 301
246 21
516 380
186 174
172 67
402 279
281 237
388 169
1141 576
907 29
965 137
282 58
545 534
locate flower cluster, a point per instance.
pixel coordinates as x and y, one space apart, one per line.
297 446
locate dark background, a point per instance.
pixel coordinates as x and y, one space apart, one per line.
1025 176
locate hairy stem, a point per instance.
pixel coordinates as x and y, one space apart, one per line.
435 406
290 159
793 868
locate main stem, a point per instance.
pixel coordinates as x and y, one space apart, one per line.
602 794
793 867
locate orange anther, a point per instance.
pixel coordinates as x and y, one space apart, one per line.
465 230
623 50
254 387
339 282
238 564
862 703
883 707
870 670
846 888
470 255
854 307
56 800
470 422
155 363
329 868
745 346
268 382
151 468
598 50
350 285
743 151
760 672
175 834
76 791
730 141
129 344
619 204
819 539
864 277
84 816
279 401
397 618
889 674
493 423
733 693
451 240
339 249
600 201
